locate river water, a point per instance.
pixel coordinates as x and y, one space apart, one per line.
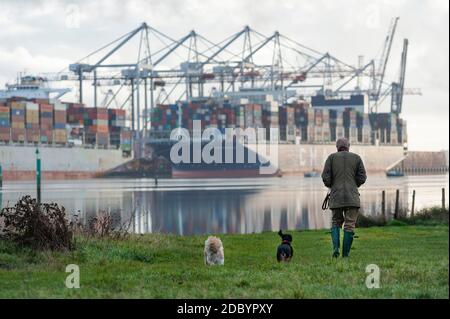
204 206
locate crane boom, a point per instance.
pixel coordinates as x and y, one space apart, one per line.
385 55
402 74
398 89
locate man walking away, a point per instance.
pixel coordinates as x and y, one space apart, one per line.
344 172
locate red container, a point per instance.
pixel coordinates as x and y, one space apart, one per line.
126 135
60 117
17 118
97 129
5 134
45 108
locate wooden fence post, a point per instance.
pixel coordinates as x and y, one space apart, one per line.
397 195
413 202
443 199
383 205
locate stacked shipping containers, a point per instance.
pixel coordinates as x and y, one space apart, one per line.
240 116
270 116
340 129
248 115
96 126
75 120
5 123
301 118
125 140
313 125
353 129
384 123
310 133
326 131
402 133
393 130
226 117
116 118
18 121
46 122
161 117
318 126
366 129
287 123
60 121
32 122
290 126
332 124
75 113
257 116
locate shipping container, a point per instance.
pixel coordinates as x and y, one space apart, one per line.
5 134
32 115
33 135
116 117
46 135
18 135
60 136
46 122
5 117
18 121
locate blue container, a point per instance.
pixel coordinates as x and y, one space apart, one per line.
59 125
17 112
5 124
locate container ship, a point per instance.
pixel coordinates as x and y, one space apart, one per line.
74 141
307 130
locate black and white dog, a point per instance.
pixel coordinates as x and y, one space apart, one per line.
285 250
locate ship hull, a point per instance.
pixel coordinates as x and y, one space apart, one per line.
19 162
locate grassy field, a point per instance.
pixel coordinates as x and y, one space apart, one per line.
413 261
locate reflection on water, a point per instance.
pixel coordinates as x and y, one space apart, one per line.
196 206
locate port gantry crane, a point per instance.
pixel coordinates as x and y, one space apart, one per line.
247 60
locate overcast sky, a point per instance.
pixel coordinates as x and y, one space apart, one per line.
45 36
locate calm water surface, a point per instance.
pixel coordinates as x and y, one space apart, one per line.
199 206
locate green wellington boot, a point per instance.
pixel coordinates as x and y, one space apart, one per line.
335 239
347 243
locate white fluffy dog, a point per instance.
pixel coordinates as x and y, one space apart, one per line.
214 251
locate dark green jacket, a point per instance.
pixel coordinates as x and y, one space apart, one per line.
344 172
